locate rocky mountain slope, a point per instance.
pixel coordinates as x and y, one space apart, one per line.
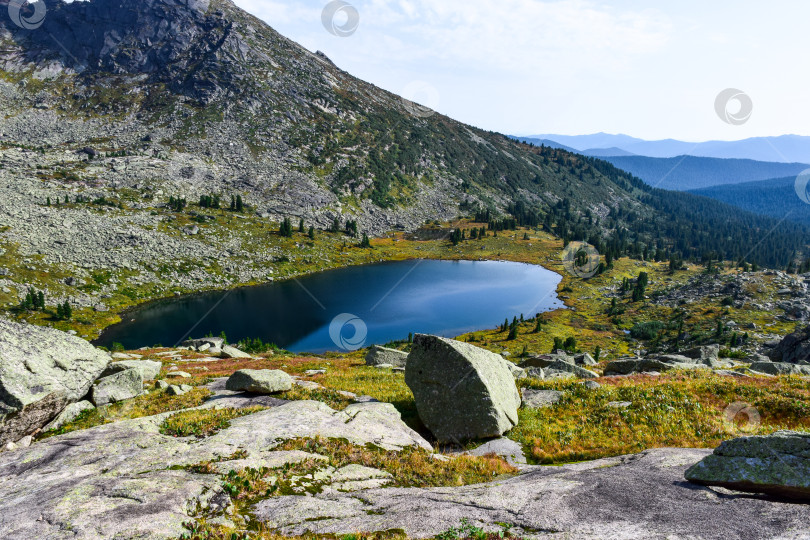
112 109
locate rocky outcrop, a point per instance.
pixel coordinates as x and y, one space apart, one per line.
119 386
780 368
540 399
462 392
627 497
777 464
149 369
41 372
377 355
232 352
126 479
627 366
259 381
793 348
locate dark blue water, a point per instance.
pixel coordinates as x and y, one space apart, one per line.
349 308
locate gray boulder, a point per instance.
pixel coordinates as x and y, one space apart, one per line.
233 352
780 368
702 354
69 414
540 399
535 373
259 381
149 369
565 367
584 359
508 449
377 355
778 464
117 387
627 366
545 360
41 372
215 342
793 348
462 392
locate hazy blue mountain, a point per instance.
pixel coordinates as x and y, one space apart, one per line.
596 140
607 152
782 149
685 173
546 142
775 198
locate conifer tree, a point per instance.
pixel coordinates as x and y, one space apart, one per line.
311 233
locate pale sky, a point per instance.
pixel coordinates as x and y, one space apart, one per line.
650 69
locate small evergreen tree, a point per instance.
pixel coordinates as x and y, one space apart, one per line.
365 242
311 233
240 206
286 229
301 225
513 333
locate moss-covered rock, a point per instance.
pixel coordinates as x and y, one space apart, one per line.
778 464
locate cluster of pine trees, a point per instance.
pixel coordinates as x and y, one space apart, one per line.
34 300
177 204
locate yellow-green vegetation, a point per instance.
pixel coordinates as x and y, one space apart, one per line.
146 405
202 422
410 467
681 409
202 530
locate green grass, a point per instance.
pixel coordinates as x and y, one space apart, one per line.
155 402
202 422
681 409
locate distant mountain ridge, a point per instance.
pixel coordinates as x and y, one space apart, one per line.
775 198
684 173
781 149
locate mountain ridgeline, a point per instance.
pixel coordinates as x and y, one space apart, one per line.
203 99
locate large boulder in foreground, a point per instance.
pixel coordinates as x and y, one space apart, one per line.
259 381
42 370
461 392
777 464
377 356
793 348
